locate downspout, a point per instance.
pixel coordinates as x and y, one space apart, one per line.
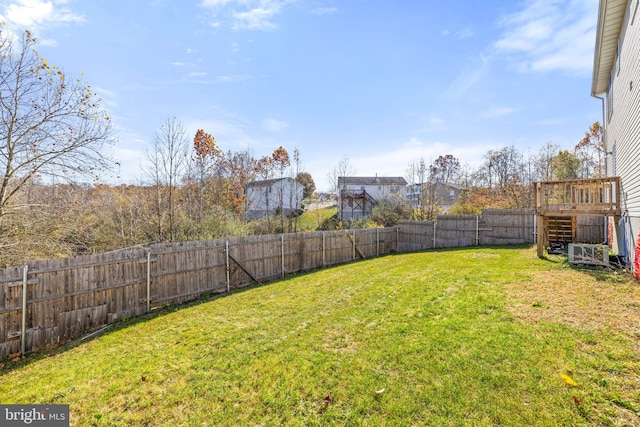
606 164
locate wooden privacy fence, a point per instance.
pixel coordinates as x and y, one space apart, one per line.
51 301
48 302
493 227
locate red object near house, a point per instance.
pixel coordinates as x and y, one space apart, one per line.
610 232
636 262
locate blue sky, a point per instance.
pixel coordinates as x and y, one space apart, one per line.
381 82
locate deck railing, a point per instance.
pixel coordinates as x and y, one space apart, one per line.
597 196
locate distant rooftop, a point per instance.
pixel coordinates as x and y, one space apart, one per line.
371 180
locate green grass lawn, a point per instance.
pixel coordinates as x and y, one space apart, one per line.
312 218
460 337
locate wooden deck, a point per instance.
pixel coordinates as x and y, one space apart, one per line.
599 196
572 198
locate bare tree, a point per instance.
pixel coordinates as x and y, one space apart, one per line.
50 125
416 175
281 161
166 165
590 150
543 161
344 168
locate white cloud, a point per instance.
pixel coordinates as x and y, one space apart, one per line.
255 19
469 75
245 14
108 96
320 11
550 35
435 121
215 3
555 121
231 78
37 15
34 13
273 125
196 74
460 34
130 160
495 112
48 42
464 33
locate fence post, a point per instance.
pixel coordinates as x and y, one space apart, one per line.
398 239
226 251
282 252
23 343
148 281
377 242
353 246
323 256
434 235
477 230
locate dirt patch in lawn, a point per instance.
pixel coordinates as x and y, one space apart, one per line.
578 300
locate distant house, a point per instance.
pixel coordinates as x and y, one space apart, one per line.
444 195
616 78
271 196
359 194
325 197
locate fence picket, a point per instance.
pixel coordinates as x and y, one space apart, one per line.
74 296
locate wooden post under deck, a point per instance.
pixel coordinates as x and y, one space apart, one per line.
540 234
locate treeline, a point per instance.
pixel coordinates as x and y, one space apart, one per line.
506 176
191 190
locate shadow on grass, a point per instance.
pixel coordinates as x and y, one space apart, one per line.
602 273
605 274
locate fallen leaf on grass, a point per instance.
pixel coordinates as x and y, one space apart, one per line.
380 391
567 379
576 400
143 378
327 399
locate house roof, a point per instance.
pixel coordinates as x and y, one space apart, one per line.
268 182
446 185
610 19
371 180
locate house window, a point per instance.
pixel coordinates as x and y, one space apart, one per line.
452 195
362 187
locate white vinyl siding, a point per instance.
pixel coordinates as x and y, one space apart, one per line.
265 198
623 128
